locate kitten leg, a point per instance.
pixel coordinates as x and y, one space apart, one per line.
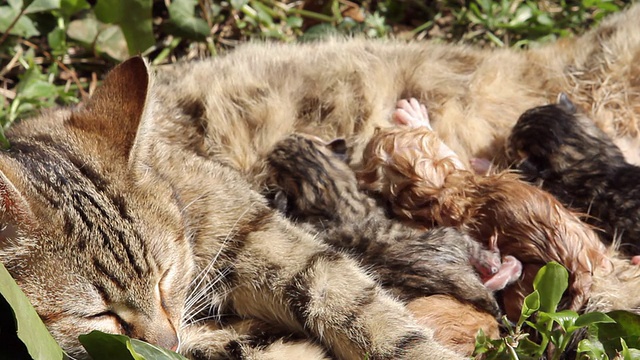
411 112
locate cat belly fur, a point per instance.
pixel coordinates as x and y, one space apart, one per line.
259 93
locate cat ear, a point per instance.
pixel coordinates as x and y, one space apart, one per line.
14 209
566 103
339 148
116 107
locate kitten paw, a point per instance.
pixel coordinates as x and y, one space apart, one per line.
411 112
509 272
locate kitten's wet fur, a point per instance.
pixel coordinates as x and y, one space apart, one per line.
313 185
563 150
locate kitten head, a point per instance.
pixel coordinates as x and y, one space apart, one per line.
307 176
89 244
550 139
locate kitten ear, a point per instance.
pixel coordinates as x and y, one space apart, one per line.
116 107
566 103
280 202
339 148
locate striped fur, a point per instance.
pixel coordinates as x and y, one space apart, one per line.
321 191
105 230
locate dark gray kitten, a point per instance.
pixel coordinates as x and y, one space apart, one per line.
578 163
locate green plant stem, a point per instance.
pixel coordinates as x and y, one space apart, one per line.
257 4
312 15
424 26
249 11
166 51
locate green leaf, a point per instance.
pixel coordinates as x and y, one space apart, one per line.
70 7
523 14
238 4
56 39
112 41
42 5
592 348
149 351
593 318
84 30
530 305
318 32
15 4
627 353
294 22
34 85
183 23
528 348
133 17
23 27
103 346
626 326
551 282
31 331
564 318
544 19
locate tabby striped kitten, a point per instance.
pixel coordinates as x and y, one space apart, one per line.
311 183
104 230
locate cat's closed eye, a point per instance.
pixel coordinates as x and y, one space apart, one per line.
110 322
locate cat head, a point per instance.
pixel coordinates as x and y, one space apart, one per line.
92 244
550 139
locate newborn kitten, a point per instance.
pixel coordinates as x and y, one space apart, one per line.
314 186
424 182
564 151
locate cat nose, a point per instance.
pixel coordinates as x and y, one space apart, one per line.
168 340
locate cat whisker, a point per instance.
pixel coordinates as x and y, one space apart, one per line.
200 291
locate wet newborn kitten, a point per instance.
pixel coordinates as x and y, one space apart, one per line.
313 185
577 162
424 182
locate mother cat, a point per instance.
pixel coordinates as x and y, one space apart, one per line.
110 210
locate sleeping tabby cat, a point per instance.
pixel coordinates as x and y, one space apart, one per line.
99 237
134 212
